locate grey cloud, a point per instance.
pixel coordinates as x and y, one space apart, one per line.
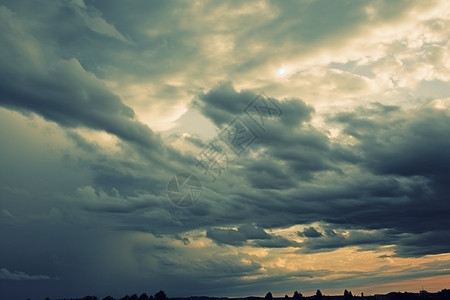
419 135
351 198
85 102
388 185
330 232
353 238
222 103
62 90
210 268
231 266
226 236
253 232
95 22
267 173
288 138
310 232
412 145
427 243
113 202
184 240
295 112
427 132
5 274
131 171
276 242
249 234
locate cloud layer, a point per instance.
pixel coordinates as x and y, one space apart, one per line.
339 179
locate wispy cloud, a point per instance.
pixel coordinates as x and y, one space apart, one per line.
16 275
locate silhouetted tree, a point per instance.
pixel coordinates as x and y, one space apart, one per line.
134 297
109 298
268 296
424 294
286 297
143 297
444 294
348 295
395 296
318 295
161 295
297 296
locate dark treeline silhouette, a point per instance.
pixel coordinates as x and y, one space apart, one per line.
347 295
161 295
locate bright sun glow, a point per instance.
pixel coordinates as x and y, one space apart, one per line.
282 71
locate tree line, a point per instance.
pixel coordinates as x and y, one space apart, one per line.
161 295
347 295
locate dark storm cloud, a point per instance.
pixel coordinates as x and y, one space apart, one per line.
156 32
269 174
40 78
36 80
54 261
319 243
96 217
248 234
421 138
306 153
409 144
289 138
360 200
211 271
184 240
253 232
226 236
417 245
62 91
113 202
237 237
276 242
132 171
373 197
230 266
310 232
222 103
130 178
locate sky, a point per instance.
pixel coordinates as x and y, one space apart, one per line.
224 148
